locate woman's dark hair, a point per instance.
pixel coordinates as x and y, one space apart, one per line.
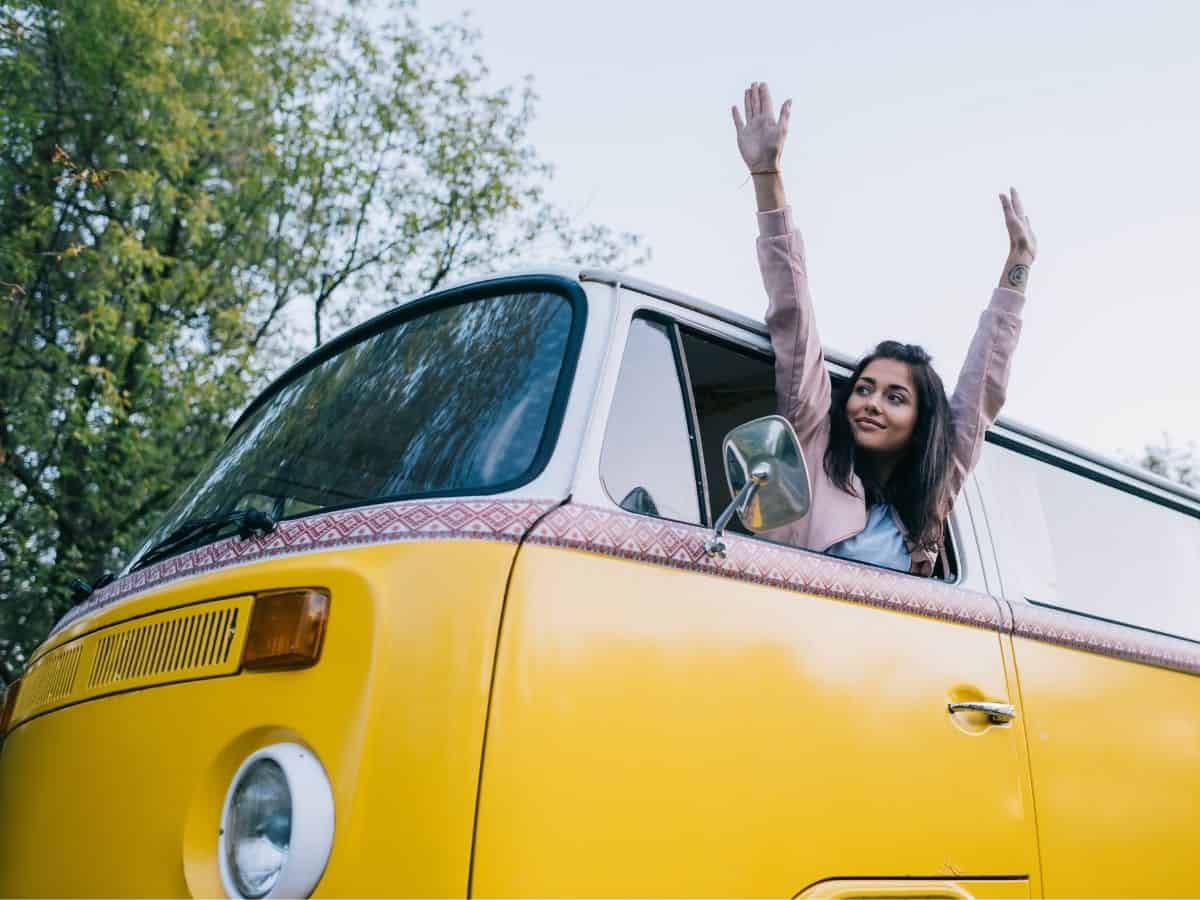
916 487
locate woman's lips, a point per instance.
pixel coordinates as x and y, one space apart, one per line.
869 424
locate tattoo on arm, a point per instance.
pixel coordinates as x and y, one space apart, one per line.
1018 275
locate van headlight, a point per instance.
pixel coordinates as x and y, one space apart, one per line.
276 825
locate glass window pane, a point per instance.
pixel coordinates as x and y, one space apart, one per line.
1020 525
1106 552
646 464
454 400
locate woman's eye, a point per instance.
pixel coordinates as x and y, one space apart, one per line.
897 398
862 390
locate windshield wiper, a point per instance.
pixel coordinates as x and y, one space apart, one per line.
249 522
82 590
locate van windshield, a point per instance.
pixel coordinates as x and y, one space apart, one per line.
449 402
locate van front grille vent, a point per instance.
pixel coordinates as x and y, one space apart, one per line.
165 647
191 642
52 678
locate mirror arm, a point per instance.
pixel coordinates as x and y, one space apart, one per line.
759 475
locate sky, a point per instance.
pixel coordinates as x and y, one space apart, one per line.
908 120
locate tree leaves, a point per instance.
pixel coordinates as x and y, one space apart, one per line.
191 193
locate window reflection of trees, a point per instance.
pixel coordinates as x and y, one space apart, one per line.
456 399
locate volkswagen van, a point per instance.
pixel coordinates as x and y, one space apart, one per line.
445 616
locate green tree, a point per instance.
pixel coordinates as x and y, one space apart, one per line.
1172 461
191 191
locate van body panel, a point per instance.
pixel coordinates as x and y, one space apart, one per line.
1112 711
662 728
394 710
1114 749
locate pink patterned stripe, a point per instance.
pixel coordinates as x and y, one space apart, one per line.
619 534
627 536
1052 626
417 520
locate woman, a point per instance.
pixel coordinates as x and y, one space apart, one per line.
888 455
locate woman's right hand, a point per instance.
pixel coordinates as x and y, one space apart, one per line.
760 136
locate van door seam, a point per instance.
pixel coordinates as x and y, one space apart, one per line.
487 714
1026 726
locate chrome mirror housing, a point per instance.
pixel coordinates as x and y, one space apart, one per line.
767 476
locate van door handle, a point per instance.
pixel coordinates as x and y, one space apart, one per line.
997 713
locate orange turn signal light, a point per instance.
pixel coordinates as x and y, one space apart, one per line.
287 629
7 707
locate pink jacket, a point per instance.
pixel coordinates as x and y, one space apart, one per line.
804 391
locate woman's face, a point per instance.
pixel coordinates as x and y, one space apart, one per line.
882 407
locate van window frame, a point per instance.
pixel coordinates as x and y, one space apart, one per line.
1093 470
693 421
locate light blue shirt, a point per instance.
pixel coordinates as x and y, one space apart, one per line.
880 543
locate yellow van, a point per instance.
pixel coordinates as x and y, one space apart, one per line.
447 615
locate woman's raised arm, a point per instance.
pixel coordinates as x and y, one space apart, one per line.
983 381
801 382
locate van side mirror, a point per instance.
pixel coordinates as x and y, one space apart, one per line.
767 477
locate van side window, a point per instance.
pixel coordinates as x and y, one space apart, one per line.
1078 544
646 463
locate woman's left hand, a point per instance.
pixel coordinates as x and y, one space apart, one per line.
1022 242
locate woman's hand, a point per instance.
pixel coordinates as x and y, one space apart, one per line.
760 137
1022 243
